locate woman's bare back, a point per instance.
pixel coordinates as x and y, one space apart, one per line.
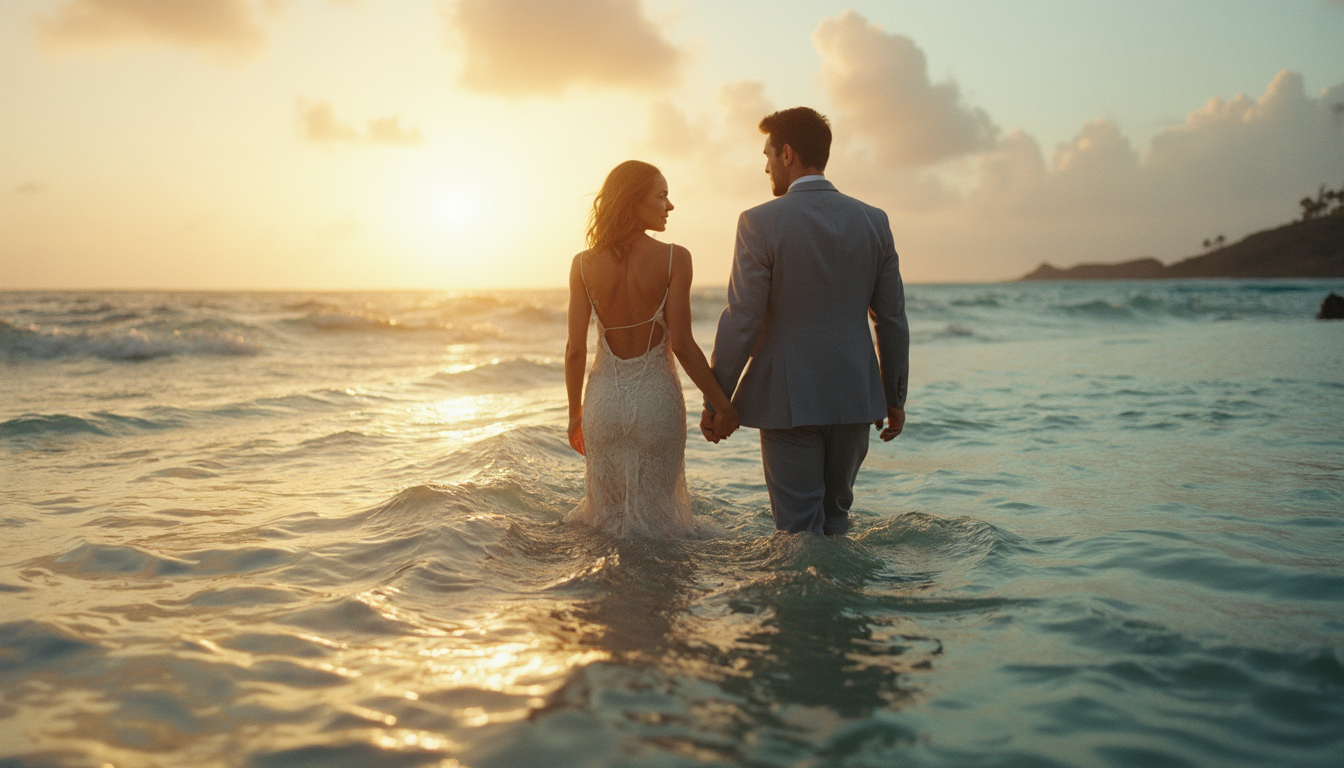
628 293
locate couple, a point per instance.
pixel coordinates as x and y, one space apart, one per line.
809 269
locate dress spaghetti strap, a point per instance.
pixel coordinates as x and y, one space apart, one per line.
586 292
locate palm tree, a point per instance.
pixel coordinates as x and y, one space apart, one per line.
1312 208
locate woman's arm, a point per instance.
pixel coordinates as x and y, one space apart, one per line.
683 343
576 352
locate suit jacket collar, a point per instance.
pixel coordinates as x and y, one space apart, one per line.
819 185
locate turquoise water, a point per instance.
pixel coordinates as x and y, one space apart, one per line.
266 529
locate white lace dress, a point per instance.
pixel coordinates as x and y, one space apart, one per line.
634 433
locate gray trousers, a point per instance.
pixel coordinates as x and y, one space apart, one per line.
810 473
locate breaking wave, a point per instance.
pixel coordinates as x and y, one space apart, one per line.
131 344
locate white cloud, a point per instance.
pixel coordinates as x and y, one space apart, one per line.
389 130
531 47
671 133
878 84
1240 152
744 104
1233 166
1259 148
720 155
318 124
227 28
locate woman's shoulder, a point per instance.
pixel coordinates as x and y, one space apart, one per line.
675 258
677 251
580 265
681 257
584 258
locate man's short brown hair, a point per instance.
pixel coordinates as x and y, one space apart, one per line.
803 128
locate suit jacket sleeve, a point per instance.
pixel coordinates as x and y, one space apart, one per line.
887 310
748 294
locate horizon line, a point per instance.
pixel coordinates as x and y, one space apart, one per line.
421 289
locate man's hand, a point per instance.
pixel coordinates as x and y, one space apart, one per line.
707 426
725 423
895 423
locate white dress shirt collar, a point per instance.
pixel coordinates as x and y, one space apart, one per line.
810 177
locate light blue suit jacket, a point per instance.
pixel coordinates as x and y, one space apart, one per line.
809 270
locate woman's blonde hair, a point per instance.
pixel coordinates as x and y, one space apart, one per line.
613 219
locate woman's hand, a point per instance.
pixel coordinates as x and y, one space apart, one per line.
576 433
707 426
725 422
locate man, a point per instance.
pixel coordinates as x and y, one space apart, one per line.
809 268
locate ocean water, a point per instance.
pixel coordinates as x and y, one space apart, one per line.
272 529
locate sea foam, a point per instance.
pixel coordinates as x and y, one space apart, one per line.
132 344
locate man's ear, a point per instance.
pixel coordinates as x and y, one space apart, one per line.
786 154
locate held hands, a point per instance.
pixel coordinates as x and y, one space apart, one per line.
725 423
895 423
716 426
576 433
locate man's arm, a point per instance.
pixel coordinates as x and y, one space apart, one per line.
748 293
887 310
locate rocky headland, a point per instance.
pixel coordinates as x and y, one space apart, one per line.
1309 248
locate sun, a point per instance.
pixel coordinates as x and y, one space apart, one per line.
458 210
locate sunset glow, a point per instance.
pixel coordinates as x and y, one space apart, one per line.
457 144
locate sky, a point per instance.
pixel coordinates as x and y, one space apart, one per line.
457 144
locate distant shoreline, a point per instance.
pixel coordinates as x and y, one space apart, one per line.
1302 249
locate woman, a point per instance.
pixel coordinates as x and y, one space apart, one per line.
631 423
